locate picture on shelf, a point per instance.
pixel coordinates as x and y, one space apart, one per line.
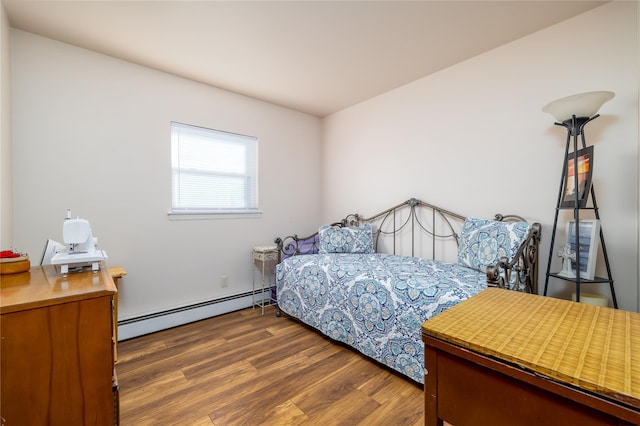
581 184
586 249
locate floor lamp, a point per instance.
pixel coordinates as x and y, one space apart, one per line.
573 113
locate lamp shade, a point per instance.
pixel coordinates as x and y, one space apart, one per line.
581 105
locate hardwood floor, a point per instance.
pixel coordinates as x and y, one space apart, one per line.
243 368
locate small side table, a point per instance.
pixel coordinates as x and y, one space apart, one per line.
265 259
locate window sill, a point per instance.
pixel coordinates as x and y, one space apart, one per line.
214 215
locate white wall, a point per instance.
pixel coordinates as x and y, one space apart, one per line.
6 181
91 133
472 138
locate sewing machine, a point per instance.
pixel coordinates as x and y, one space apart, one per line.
80 246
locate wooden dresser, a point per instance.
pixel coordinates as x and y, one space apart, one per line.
508 358
57 339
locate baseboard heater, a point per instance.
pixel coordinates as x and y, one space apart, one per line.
150 323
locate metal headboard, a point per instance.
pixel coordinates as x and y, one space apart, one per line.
413 219
394 220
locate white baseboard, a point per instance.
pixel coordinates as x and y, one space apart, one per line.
139 326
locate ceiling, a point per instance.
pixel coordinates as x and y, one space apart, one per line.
317 57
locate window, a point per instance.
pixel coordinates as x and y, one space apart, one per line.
212 171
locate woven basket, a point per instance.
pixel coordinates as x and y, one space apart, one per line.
14 265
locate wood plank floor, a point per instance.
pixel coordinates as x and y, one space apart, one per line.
243 368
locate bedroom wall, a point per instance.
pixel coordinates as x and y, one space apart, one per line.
472 138
91 133
6 212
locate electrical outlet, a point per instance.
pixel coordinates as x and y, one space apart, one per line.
224 281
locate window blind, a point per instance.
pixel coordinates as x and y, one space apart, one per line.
213 171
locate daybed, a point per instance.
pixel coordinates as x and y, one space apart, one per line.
371 282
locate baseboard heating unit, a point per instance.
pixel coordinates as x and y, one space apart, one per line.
150 323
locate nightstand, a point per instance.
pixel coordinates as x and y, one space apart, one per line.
265 259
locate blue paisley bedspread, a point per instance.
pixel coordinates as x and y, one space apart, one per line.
375 303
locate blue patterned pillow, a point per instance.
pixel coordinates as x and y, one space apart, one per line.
357 239
483 242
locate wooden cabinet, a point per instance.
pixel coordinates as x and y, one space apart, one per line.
57 339
508 358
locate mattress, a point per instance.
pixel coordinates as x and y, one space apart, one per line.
375 303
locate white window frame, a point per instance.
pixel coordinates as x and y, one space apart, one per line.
200 180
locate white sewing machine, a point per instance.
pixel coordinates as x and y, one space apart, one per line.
80 246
